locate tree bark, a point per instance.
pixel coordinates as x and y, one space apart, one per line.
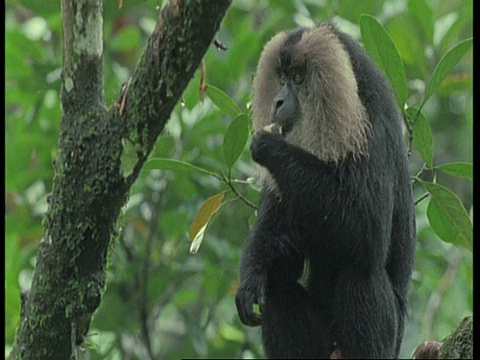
101 152
457 345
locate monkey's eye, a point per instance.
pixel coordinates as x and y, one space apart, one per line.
283 78
297 78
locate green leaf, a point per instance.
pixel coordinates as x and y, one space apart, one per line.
448 217
421 11
463 17
175 165
380 47
223 101
235 139
422 135
445 65
202 219
460 169
406 35
352 9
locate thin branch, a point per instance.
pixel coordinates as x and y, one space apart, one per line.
408 125
238 194
421 198
422 169
82 54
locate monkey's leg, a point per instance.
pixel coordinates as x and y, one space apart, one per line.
365 315
292 328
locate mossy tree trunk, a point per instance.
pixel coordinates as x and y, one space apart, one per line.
101 152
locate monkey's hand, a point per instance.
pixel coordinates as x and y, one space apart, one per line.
251 291
265 145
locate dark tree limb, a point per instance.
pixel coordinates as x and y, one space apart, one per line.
457 345
101 152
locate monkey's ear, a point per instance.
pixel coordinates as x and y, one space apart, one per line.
266 84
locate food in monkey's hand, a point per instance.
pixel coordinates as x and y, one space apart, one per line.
274 129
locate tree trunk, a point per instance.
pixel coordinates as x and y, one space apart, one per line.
101 152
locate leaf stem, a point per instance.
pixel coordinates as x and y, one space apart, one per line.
228 181
421 198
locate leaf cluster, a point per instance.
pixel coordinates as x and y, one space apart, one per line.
446 213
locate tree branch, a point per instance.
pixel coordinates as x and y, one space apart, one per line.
82 72
457 345
100 155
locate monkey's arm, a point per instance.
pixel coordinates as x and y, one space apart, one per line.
255 261
269 256
326 192
296 172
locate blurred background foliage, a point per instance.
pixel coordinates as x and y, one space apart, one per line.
162 301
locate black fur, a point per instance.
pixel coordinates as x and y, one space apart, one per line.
353 222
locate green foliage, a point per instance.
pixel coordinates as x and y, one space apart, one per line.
445 65
447 216
382 50
459 169
235 139
423 19
176 165
223 101
444 214
421 133
162 299
234 142
202 219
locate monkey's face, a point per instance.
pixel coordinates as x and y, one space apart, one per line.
286 105
305 88
279 84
